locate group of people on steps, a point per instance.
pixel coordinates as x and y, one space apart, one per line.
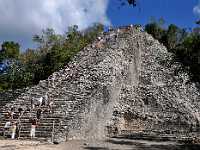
13 123
41 105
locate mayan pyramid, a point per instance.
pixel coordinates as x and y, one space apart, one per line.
124 82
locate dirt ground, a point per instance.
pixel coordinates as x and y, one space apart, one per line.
108 144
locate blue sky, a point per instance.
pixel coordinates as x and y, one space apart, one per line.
21 20
179 12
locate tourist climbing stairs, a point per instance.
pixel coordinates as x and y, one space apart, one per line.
44 126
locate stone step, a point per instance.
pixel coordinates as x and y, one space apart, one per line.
27 119
41 139
42 121
28 124
38 128
37 134
43 117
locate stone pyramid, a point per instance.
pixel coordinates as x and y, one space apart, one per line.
125 82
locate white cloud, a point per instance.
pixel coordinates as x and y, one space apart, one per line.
23 18
196 9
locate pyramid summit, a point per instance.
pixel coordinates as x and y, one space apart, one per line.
125 82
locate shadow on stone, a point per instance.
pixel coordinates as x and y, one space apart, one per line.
8 147
95 148
137 145
136 136
168 147
123 142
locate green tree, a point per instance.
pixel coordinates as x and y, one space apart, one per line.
188 53
47 40
174 35
155 29
9 49
53 52
15 77
29 56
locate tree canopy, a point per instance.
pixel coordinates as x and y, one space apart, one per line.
9 49
53 52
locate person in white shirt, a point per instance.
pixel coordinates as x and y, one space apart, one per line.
7 125
40 101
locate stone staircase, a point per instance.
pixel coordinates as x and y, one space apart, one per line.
45 126
9 96
59 120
